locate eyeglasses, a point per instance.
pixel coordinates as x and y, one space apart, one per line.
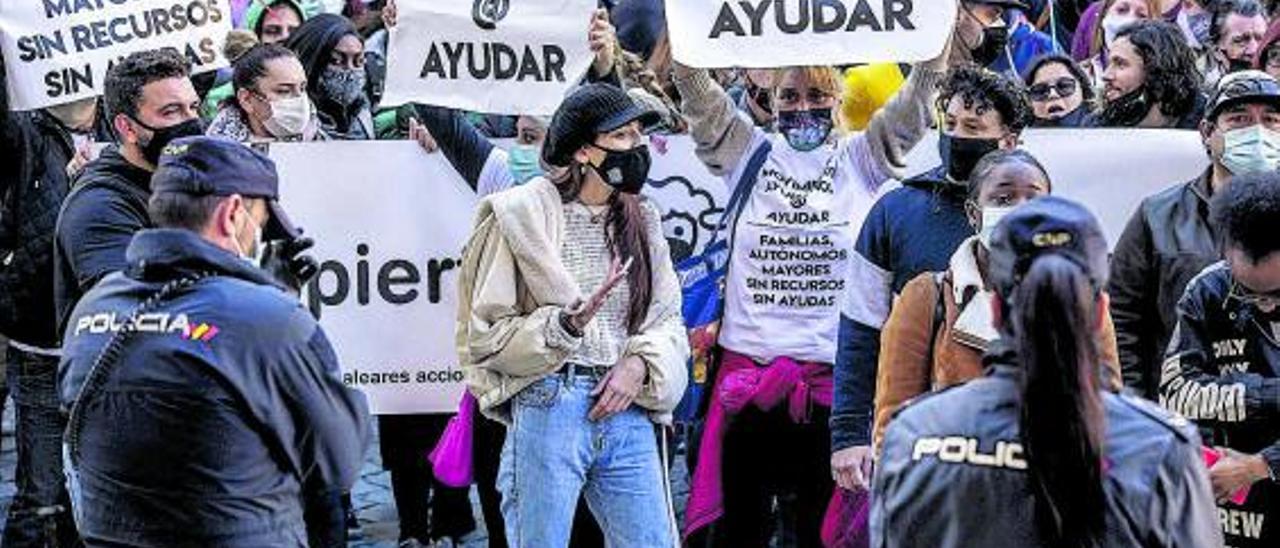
1065 87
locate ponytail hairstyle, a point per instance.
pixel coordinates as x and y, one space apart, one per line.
1053 321
250 67
625 233
1048 264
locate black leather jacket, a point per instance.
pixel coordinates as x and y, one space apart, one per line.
1166 243
953 474
1223 372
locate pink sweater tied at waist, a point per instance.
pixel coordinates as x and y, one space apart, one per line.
741 382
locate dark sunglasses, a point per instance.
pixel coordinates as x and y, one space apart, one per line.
1065 87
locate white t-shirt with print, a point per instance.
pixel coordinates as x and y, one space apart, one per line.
792 247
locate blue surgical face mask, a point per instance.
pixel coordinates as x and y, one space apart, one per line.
806 130
525 163
1253 149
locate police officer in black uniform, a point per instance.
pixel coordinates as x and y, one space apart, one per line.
1036 453
205 401
1223 366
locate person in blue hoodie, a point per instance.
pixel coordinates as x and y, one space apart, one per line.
910 230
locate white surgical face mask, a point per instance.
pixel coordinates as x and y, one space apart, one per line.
289 116
1253 149
1111 27
254 258
991 216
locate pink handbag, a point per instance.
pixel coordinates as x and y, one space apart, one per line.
451 458
846 523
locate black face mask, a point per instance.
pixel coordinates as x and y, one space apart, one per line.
994 39
161 137
625 170
1076 118
960 155
1238 65
1126 111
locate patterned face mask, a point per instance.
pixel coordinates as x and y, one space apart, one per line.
806 130
343 86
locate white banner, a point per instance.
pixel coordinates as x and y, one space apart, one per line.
779 33
492 56
1109 170
58 51
390 233
389 236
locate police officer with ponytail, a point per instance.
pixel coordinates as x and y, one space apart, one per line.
1037 453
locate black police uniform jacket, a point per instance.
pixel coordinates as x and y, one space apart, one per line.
224 409
1223 372
952 473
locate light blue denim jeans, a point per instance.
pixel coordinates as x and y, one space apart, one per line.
553 452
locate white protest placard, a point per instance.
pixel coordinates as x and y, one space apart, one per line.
58 51
780 33
1089 166
390 233
389 237
492 56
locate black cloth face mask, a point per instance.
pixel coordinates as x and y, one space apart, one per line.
161 137
625 170
1127 111
994 40
961 154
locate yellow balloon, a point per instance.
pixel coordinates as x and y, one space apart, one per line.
866 89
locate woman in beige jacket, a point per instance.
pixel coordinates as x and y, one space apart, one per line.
569 330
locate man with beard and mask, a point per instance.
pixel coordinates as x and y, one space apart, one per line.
35 150
1171 237
911 230
1151 79
149 101
206 404
1222 369
1235 35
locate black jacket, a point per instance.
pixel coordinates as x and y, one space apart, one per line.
976 491
106 207
1166 243
34 152
221 412
1223 371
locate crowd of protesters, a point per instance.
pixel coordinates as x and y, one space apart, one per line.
989 370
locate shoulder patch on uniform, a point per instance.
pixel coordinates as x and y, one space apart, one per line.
1176 423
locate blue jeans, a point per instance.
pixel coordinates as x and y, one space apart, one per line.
553 453
40 514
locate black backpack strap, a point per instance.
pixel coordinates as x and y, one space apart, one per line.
742 193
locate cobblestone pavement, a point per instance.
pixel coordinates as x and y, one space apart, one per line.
371 496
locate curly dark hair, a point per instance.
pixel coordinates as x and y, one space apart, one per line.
1245 214
1222 9
982 89
124 82
1083 81
1172 79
